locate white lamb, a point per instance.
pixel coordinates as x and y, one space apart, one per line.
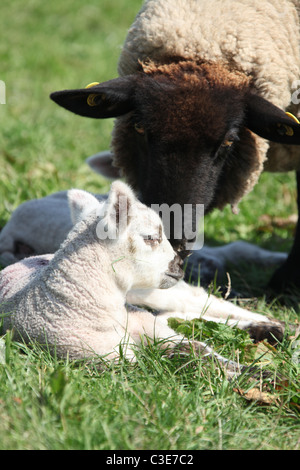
44 224
74 300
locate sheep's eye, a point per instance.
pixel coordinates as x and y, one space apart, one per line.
230 138
227 143
139 129
152 240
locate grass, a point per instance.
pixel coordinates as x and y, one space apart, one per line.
157 403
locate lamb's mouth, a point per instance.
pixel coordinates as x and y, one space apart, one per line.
170 279
176 276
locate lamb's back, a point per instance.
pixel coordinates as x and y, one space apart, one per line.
18 275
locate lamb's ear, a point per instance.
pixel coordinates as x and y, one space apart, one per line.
119 207
270 122
81 204
103 100
102 163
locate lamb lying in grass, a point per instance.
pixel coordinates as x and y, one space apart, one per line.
74 300
41 225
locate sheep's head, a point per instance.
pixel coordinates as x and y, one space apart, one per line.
185 132
131 238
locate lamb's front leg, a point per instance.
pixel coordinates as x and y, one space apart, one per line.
190 302
143 326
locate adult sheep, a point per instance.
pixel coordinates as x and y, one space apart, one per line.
201 103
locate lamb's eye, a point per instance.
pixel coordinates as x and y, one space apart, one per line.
139 129
152 240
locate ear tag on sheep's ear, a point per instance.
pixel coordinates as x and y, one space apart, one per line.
91 98
293 117
92 84
283 129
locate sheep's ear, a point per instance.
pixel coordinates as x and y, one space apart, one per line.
103 100
81 204
270 122
102 163
119 207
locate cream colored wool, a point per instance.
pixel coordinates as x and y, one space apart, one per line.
74 300
259 38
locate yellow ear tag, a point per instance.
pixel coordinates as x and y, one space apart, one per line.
92 84
91 98
289 130
293 117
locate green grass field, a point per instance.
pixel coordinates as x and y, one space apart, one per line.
157 403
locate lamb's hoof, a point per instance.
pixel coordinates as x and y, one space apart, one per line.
272 332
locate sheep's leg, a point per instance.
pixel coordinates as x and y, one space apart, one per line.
288 275
211 262
191 302
241 251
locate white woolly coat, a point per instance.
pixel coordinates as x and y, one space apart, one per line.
257 37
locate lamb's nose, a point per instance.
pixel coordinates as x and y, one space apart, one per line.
179 247
184 254
175 267
178 261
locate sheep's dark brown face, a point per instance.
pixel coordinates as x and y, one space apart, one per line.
179 135
183 134
182 139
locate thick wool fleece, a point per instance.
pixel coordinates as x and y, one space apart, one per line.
49 297
259 38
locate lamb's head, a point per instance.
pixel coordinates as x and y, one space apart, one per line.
129 237
186 132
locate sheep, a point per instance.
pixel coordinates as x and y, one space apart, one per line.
43 224
37 226
74 300
201 104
